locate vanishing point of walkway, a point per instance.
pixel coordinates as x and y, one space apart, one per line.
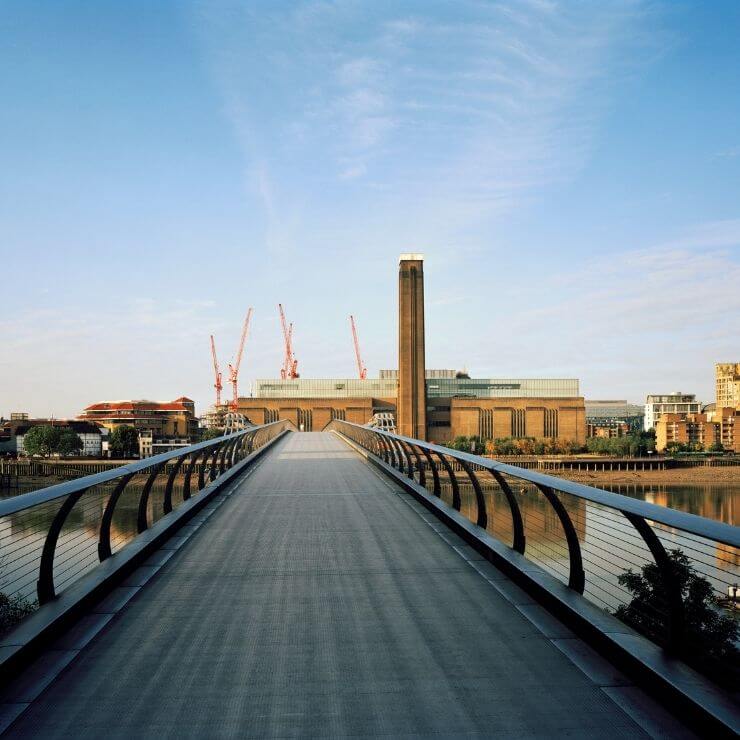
318 600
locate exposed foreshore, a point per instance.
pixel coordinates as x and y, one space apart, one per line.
672 476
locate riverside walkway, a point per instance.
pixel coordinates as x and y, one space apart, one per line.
318 599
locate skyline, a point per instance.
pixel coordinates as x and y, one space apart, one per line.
570 172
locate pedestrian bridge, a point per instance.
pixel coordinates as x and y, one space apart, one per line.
326 585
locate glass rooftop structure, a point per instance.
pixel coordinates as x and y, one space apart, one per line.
437 387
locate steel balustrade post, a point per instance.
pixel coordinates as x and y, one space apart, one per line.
45 584
236 453
519 541
222 460
401 455
392 453
482 519
228 453
141 518
167 503
435 473
577 577
453 481
241 451
420 466
188 474
406 453
104 548
384 448
676 615
212 475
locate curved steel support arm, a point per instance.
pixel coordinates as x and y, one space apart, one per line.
167 504
453 480
479 498
45 585
577 578
435 473
519 542
386 447
224 453
188 474
420 466
676 616
141 517
407 454
213 467
104 548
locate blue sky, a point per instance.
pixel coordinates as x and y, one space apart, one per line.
571 170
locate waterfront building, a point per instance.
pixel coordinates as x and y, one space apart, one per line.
671 403
13 432
727 379
707 432
613 418
161 426
171 419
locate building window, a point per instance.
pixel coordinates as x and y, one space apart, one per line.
305 420
551 423
518 423
485 424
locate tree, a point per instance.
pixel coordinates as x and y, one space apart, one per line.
42 440
12 610
69 443
124 441
709 636
206 434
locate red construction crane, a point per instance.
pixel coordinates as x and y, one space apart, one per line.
234 369
361 369
217 372
290 364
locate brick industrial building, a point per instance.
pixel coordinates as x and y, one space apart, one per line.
437 405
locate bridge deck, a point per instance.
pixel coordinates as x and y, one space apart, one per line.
317 601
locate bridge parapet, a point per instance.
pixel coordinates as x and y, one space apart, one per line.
619 553
51 537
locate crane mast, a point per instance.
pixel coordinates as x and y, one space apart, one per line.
361 369
234 369
218 385
290 364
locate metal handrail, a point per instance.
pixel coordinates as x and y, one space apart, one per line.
690 523
60 490
216 455
399 452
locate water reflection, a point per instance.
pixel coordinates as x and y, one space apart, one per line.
22 535
609 543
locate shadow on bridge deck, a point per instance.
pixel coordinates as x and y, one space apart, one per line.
320 600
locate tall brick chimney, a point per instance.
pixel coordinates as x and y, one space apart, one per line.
411 413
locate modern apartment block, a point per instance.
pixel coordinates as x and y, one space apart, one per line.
727 377
671 403
702 431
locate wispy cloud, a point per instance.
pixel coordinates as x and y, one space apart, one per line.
730 153
665 312
458 112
